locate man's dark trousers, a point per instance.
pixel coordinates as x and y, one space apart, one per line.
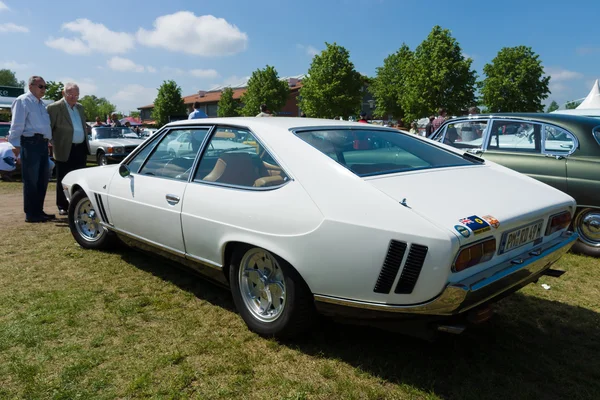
35 174
77 160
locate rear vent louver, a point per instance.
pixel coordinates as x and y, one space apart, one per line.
101 209
412 269
390 268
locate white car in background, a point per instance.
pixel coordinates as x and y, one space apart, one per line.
111 144
300 216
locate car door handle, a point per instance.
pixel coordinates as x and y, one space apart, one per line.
172 199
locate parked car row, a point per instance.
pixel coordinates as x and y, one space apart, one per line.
302 216
562 151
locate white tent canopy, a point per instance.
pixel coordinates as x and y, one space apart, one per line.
593 98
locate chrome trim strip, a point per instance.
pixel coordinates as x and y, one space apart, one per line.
477 289
204 261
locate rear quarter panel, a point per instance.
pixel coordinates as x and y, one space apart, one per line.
583 180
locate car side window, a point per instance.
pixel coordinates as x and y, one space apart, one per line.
515 136
465 134
173 158
236 157
136 162
557 140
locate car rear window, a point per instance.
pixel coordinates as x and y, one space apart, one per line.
369 152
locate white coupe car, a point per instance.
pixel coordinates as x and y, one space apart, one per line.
300 216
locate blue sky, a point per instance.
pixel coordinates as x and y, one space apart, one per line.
123 50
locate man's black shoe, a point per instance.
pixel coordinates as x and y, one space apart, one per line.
48 216
36 220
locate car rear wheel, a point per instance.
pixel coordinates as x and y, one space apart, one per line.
101 158
85 224
269 294
587 225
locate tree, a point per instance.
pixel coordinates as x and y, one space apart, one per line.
96 107
552 107
514 81
227 107
54 90
333 87
9 78
571 105
265 87
134 114
389 84
440 76
168 103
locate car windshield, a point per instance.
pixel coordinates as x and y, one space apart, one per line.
374 152
115 133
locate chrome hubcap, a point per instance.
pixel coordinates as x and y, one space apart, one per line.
87 222
587 224
262 285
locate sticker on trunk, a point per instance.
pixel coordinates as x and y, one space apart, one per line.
491 220
463 230
475 224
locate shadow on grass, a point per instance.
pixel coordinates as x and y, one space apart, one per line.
531 349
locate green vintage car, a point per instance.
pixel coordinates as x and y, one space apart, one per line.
560 150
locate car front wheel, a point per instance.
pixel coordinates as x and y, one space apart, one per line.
85 224
101 159
587 225
269 294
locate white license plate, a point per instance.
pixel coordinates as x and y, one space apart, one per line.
521 236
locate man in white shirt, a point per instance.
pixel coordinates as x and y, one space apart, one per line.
264 112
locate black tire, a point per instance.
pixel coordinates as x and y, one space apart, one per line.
84 224
587 225
101 158
297 313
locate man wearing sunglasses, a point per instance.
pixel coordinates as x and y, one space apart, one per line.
29 134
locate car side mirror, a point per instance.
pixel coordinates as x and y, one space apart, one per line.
124 171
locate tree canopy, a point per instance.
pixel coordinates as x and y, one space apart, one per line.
96 107
333 87
264 87
54 90
571 105
168 103
514 81
227 106
552 107
440 76
9 78
389 85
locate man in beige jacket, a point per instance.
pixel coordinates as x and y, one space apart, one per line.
69 139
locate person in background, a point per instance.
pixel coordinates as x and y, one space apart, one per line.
440 119
414 128
429 126
363 118
473 110
29 134
302 115
114 120
69 138
197 113
98 122
264 112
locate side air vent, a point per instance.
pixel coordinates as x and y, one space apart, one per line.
412 269
390 267
101 209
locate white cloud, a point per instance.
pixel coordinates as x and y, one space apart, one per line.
204 35
133 96
10 27
558 74
93 37
3 7
13 65
151 69
585 50
204 73
310 50
87 86
171 70
124 64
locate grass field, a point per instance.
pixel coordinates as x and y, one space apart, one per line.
125 325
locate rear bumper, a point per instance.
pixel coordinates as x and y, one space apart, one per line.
493 283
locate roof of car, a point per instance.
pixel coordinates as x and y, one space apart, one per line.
276 122
541 117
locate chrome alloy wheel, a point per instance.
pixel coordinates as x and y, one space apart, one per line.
587 225
262 285
87 222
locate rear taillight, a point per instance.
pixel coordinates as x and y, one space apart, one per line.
475 254
558 222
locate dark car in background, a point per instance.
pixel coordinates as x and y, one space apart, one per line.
4 128
562 151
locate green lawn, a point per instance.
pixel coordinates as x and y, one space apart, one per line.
95 325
